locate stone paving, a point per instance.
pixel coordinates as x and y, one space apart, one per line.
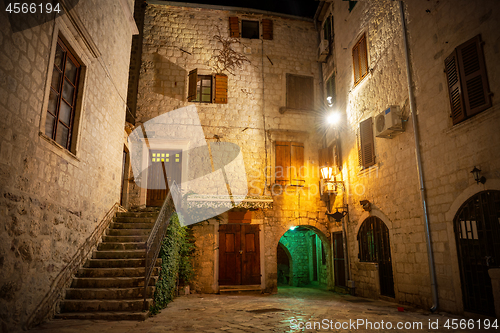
287 311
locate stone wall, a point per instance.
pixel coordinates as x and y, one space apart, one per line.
51 199
449 152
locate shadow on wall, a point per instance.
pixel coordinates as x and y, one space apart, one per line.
169 79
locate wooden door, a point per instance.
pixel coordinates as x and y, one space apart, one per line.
338 259
239 254
164 165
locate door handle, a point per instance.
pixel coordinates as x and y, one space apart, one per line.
241 251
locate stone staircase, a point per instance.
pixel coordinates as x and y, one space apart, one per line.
110 286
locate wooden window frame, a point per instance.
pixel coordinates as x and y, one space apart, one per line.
54 111
200 86
289 156
366 144
360 60
467 80
265 27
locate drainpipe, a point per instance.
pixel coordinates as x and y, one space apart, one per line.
419 165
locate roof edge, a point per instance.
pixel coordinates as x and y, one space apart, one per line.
227 8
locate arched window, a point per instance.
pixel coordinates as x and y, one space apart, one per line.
373 239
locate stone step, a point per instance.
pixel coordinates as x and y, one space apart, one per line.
125 239
108 293
111 282
107 246
128 232
131 225
119 254
108 315
73 305
240 289
114 272
137 214
134 219
118 263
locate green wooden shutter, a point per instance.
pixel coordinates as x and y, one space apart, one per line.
473 78
234 27
193 79
267 29
220 89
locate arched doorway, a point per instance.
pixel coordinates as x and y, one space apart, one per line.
375 246
477 234
285 266
307 254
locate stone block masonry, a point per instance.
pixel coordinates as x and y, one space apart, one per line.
52 199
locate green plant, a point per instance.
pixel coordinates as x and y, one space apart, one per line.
176 251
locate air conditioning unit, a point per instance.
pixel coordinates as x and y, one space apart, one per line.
323 50
389 123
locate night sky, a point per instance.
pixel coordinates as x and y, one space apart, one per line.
305 8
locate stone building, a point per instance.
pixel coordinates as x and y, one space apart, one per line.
60 157
244 95
451 101
269 107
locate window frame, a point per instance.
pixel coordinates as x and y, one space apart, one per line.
60 98
357 58
257 22
199 89
218 87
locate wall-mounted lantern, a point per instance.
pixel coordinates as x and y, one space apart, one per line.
477 176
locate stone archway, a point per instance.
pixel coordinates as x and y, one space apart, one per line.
285 265
310 256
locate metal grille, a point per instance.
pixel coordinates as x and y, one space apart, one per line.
374 246
477 234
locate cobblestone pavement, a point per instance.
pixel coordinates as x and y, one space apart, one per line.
288 311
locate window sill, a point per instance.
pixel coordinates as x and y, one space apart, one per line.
362 82
473 121
59 150
284 109
369 170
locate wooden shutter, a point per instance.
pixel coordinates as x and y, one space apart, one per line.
220 89
193 79
454 89
367 144
299 92
360 60
234 27
473 78
282 165
267 29
297 163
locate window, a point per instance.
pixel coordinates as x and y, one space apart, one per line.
330 90
467 80
360 60
373 240
207 88
366 145
289 163
62 97
351 5
299 92
250 29
328 29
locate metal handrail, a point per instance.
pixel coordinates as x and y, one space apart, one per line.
153 244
